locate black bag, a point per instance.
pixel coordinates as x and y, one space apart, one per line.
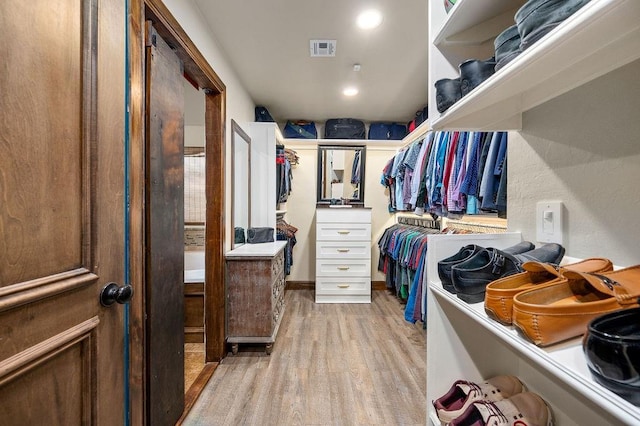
300 129
344 128
262 115
387 131
238 235
421 116
259 235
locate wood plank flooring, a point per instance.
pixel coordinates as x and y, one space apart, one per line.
332 364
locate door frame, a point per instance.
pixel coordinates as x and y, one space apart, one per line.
199 71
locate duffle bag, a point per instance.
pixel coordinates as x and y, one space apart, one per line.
387 131
344 128
262 115
300 129
259 235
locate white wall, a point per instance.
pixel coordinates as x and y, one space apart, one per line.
301 205
194 130
239 105
583 148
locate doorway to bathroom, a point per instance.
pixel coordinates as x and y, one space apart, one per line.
162 58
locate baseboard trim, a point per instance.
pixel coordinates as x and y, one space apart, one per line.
378 285
301 285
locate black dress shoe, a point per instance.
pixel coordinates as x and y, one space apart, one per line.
474 72
447 93
444 266
470 278
466 253
612 349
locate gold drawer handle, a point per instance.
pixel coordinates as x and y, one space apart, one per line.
343 250
343 285
343 268
344 232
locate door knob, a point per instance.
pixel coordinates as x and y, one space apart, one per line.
112 293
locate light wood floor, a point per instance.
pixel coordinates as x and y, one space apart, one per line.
193 363
332 364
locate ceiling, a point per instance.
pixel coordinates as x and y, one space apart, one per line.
267 44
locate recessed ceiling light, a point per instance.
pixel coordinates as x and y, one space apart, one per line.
369 19
350 91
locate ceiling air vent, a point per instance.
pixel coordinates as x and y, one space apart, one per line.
322 48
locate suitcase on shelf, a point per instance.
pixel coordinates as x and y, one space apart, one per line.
387 131
300 129
344 128
262 115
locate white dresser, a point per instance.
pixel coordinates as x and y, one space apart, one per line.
343 255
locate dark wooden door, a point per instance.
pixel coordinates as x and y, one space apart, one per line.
61 211
165 232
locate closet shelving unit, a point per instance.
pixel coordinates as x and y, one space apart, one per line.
463 342
264 138
601 37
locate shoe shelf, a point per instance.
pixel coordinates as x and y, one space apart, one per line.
476 347
599 38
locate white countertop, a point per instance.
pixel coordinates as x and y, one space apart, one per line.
194 276
257 250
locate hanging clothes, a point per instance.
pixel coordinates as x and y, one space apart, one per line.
284 175
286 232
449 174
355 169
403 249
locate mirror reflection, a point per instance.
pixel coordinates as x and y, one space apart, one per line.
240 183
340 174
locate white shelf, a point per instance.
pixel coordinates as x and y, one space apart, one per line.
565 361
464 343
476 21
417 133
599 38
296 141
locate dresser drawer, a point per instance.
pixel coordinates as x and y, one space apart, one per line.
355 215
343 250
343 268
343 232
339 286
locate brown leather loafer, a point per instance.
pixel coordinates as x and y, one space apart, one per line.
552 313
498 301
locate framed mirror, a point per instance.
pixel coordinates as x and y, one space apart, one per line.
240 184
341 174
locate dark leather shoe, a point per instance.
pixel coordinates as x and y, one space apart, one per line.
447 93
612 348
536 18
470 278
474 72
507 46
464 254
445 265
